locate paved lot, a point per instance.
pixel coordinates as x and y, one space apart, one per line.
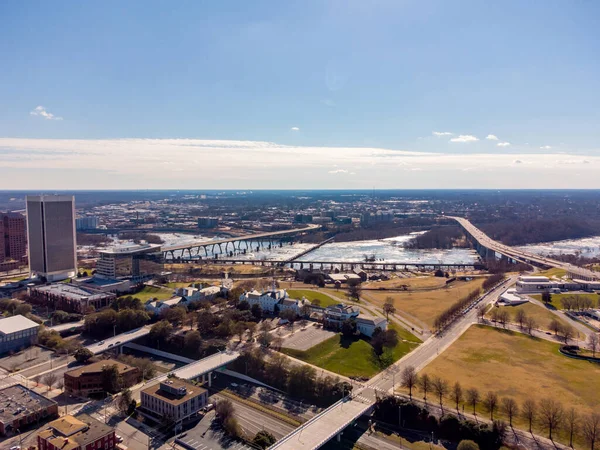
303 339
204 436
27 358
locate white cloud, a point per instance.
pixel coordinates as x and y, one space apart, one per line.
491 137
41 111
295 129
503 144
464 138
338 171
441 133
518 161
545 147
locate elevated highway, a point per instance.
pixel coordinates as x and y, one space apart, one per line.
486 243
116 342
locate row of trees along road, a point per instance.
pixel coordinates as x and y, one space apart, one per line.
548 414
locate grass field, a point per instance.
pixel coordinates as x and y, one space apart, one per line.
425 305
325 299
554 272
515 365
149 292
412 283
347 357
555 298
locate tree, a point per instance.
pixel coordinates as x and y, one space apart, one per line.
111 379
263 439
481 309
244 305
567 333
440 387
175 315
354 291
49 379
555 326
251 329
192 341
265 338
425 383
384 339
530 324
551 414
289 315
521 317
23 309
503 316
409 379
224 410
239 328
349 327
509 408
491 402
316 302
594 342
591 429
467 445
546 297
161 331
457 394
473 398
82 354
572 419
529 412
256 311
388 307
124 401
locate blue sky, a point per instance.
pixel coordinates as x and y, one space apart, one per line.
351 78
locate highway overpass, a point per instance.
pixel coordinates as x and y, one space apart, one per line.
485 244
117 341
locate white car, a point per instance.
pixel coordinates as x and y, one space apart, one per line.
118 438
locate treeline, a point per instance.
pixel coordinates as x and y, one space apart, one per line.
531 231
103 323
548 414
438 237
92 239
138 236
579 302
492 281
447 316
298 381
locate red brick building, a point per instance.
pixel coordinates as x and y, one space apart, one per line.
13 239
88 379
77 433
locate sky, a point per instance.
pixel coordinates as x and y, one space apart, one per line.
299 94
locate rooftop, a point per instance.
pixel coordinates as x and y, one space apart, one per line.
17 401
98 366
16 323
129 249
191 391
70 432
72 292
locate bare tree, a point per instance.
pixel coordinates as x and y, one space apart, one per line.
491 402
481 309
594 342
60 384
473 398
510 408
37 379
529 411
567 332
591 429
530 324
409 379
572 418
503 317
551 414
495 315
457 394
388 307
520 317
49 379
440 387
555 326
425 384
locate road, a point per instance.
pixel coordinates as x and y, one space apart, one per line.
109 343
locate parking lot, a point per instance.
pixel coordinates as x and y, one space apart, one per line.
308 337
205 437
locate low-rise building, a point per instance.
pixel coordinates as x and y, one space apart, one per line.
335 315
80 432
89 379
71 297
511 297
159 306
348 278
192 294
174 398
20 407
293 304
16 333
367 325
266 300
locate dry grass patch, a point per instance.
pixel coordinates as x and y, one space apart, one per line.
421 282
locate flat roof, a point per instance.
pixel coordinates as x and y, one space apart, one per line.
17 323
70 432
17 401
129 249
98 366
191 391
73 292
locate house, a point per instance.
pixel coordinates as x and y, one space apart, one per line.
158 306
89 379
367 325
17 332
335 315
77 433
348 278
266 300
174 398
293 304
20 406
192 294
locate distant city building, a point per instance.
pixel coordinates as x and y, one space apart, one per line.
51 236
378 217
303 218
127 261
86 223
13 240
17 332
82 432
89 379
174 398
208 222
20 407
71 297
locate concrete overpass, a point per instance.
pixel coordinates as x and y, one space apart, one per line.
247 240
485 245
117 341
70 326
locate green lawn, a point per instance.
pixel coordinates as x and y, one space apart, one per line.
403 333
175 285
554 272
325 299
347 357
149 292
555 298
